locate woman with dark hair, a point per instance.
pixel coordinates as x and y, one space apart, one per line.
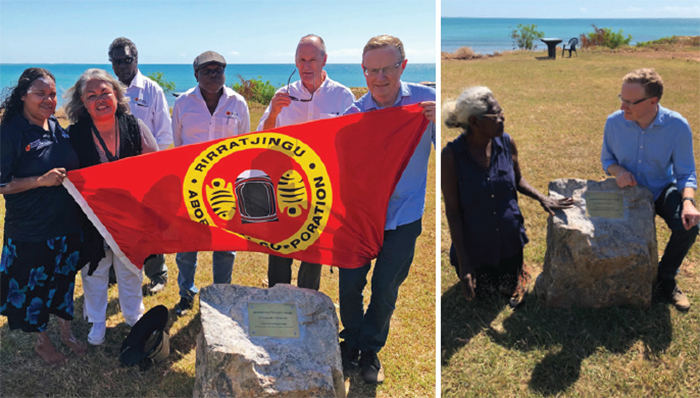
42 233
480 180
103 131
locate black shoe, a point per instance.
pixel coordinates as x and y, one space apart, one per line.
371 368
183 306
350 357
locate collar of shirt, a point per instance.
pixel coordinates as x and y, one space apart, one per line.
23 125
138 80
298 87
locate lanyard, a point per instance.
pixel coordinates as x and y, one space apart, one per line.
108 154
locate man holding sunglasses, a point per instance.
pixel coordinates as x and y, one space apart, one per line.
315 96
207 112
647 144
147 102
366 332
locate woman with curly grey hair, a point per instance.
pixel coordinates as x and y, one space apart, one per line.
41 237
480 180
103 131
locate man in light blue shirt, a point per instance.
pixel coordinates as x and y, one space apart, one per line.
365 333
647 144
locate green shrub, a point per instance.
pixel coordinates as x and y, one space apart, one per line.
255 90
525 35
605 37
159 78
663 40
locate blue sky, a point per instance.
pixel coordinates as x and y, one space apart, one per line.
571 9
254 31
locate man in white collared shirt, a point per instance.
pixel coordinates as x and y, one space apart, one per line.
147 102
313 97
207 112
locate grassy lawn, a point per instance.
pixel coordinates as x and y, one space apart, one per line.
408 358
556 111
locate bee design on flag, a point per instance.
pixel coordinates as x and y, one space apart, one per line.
221 198
291 193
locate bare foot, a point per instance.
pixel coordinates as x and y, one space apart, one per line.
68 339
47 351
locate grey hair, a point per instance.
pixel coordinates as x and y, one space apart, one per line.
472 102
74 106
311 36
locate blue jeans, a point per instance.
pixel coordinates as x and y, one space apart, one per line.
668 206
222 264
369 330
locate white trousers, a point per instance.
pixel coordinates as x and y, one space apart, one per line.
95 290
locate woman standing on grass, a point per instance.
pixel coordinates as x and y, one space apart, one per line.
480 177
104 130
42 234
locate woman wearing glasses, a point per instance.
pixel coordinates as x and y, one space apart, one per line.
480 180
41 235
103 130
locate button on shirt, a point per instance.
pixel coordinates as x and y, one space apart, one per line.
330 99
407 202
658 156
192 122
147 102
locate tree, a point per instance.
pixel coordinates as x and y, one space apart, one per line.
525 35
159 78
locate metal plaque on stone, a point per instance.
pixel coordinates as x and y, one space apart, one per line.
273 320
605 204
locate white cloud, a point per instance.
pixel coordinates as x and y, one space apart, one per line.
582 9
235 53
346 52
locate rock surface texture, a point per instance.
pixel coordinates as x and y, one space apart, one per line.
595 261
231 363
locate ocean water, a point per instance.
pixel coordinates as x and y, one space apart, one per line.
488 35
182 75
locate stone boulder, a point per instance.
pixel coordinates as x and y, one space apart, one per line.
596 261
231 363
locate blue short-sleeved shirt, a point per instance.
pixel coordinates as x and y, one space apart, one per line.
658 155
407 203
28 150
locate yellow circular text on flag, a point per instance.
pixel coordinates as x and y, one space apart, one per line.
267 187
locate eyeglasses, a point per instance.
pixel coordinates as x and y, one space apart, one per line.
373 72
295 98
122 61
212 72
630 103
495 116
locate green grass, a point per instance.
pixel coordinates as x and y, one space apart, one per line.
556 111
408 358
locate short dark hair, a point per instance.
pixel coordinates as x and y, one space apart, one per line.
122 42
12 104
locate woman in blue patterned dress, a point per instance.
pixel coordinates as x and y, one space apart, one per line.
41 231
480 181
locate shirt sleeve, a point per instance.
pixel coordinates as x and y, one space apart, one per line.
177 126
684 160
607 157
244 125
264 118
161 121
10 153
148 142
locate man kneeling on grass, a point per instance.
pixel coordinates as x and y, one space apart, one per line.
647 144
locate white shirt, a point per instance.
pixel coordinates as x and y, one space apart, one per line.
192 122
147 102
331 99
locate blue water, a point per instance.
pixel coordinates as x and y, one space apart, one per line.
349 75
488 35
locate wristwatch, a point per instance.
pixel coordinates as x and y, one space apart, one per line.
691 200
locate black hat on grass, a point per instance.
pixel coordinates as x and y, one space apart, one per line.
147 339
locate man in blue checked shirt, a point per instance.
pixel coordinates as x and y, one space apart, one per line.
649 145
365 332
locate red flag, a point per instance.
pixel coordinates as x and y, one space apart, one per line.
315 191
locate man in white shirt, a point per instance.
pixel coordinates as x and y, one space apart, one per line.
207 112
147 102
313 97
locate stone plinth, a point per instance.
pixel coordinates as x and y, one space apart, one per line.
597 261
231 363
